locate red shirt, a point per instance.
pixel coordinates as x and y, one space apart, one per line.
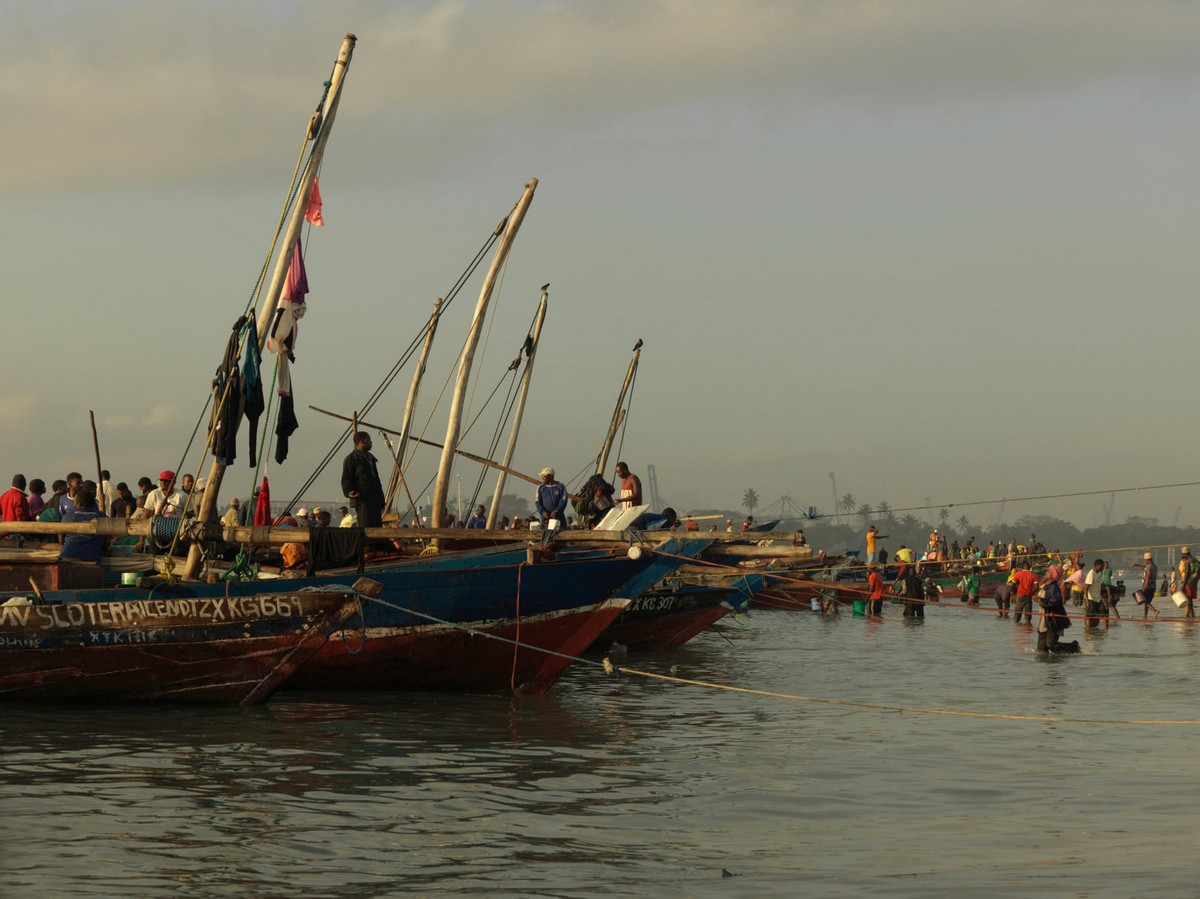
875 585
14 505
1026 582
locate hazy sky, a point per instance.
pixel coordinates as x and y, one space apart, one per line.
945 250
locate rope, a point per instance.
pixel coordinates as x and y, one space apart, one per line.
512 680
912 710
1019 499
607 666
628 407
391 376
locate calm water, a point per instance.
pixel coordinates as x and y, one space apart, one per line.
635 787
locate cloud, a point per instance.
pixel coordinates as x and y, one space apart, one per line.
99 94
119 420
17 413
161 415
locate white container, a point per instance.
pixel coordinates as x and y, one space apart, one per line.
1180 598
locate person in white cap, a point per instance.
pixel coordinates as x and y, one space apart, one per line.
302 516
551 498
1187 576
1149 582
230 518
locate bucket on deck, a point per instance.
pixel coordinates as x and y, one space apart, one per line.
130 578
1180 598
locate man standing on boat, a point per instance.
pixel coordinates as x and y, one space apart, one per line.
872 536
631 487
360 483
551 498
477 519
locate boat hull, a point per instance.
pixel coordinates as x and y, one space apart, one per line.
157 650
667 619
525 655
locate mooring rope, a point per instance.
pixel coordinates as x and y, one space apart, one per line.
608 667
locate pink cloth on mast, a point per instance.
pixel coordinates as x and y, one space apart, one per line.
312 212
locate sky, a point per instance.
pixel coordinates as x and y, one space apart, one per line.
942 251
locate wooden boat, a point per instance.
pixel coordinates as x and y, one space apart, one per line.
107 645
477 621
483 621
677 609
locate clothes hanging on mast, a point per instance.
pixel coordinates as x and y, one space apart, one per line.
282 341
253 402
228 400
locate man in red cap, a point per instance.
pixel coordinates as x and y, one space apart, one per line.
164 500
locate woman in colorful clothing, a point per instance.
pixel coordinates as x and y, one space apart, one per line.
1053 620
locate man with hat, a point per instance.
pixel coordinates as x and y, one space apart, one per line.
1149 582
14 504
231 519
551 498
1188 575
164 501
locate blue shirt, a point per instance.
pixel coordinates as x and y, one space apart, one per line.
85 547
551 498
476 522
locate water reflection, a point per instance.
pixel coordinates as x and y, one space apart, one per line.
622 785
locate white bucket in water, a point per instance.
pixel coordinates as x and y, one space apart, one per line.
1180 598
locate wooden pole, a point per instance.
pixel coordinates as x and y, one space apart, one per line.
410 410
618 413
519 410
470 456
100 503
207 510
453 426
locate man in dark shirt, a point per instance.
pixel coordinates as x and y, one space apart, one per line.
361 484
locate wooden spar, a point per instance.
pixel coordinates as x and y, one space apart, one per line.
471 456
735 543
519 409
395 456
101 504
410 409
453 426
618 413
207 510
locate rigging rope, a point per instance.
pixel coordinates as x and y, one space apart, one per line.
391 376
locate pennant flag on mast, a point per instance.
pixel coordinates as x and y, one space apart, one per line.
313 212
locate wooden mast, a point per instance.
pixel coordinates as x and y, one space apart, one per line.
519 409
618 413
410 407
510 225
207 511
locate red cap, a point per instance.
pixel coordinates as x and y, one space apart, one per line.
166 475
